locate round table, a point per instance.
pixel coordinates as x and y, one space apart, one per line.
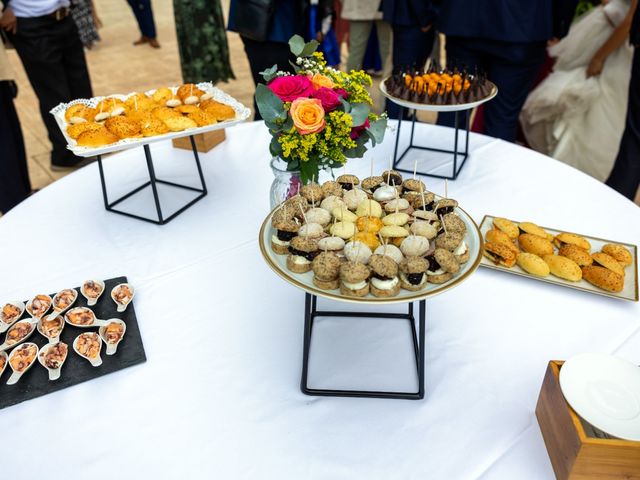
219 394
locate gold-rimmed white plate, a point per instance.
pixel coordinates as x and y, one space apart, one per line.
437 108
304 281
630 291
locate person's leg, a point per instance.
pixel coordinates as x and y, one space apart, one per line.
461 54
42 57
74 61
411 48
513 68
385 39
14 177
359 32
144 16
263 55
625 176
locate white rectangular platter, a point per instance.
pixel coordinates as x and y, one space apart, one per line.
242 114
630 291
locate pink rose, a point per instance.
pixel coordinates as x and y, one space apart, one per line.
329 98
357 131
290 87
342 92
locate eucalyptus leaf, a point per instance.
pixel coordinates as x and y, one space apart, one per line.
270 106
275 148
377 130
356 152
346 105
270 73
296 45
309 48
359 113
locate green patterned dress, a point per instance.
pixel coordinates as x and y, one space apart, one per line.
202 41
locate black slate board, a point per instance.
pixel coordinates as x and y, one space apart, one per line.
35 382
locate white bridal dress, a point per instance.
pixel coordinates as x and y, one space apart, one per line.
578 120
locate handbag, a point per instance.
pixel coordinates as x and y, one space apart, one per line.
253 18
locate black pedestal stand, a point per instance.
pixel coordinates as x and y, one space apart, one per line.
153 181
311 312
457 155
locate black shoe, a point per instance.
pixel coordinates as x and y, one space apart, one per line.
71 165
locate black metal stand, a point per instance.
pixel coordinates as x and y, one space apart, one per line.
311 312
153 181
456 154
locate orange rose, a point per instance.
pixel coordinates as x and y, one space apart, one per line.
307 115
319 81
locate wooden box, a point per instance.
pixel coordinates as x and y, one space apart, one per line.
577 449
204 141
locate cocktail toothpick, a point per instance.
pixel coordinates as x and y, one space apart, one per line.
135 102
445 188
313 200
303 214
424 207
444 227
415 168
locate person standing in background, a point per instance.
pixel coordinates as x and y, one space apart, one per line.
265 27
47 42
507 40
14 176
86 19
144 16
625 176
363 15
202 41
413 35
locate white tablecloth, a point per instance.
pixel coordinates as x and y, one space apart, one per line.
219 395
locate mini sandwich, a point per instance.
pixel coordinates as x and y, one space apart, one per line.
285 231
392 178
326 271
533 264
500 254
621 254
344 230
384 276
393 234
413 273
353 198
444 206
302 251
313 231
571 239
399 205
398 219
313 193
332 202
414 185
390 251
332 244
607 261
384 194
535 244
354 278
454 242
414 246
357 252
426 215
603 278
533 229
331 188
369 208
369 224
577 254
425 202
498 236
507 226
442 266
347 182
371 184
424 229
296 204
370 239
562 267
453 223
343 214
318 215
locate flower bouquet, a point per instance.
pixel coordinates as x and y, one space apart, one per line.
319 116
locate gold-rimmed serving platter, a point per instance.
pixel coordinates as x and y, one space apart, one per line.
629 292
304 281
